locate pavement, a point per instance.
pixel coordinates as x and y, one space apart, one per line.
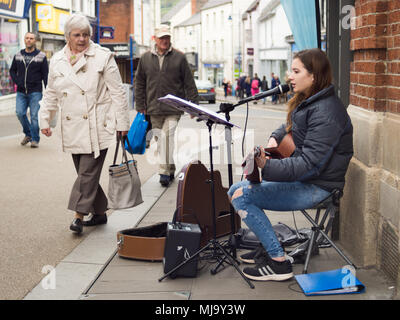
93 270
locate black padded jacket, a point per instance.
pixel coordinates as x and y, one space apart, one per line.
323 135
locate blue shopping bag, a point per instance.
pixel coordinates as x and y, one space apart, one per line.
136 139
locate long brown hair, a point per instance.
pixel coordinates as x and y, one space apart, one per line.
317 63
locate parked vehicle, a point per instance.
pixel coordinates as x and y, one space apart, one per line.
206 90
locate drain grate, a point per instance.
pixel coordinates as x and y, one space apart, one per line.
389 251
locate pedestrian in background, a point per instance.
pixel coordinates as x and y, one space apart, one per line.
163 70
237 89
242 85
29 71
225 84
247 86
275 83
85 84
264 86
259 80
229 89
255 86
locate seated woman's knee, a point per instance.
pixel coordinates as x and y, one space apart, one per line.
238 193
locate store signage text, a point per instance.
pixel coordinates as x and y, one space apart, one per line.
9 5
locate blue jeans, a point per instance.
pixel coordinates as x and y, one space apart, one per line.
275 196
31 100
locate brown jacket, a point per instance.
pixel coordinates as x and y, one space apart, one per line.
152 83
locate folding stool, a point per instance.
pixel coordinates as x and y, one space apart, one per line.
318 234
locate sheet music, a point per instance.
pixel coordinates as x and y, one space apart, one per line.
195 110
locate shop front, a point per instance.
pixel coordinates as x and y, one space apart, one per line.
50 26
122 53
13 25
122 57
214 72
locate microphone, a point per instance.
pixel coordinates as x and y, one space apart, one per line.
277 90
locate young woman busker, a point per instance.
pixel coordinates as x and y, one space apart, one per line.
323 134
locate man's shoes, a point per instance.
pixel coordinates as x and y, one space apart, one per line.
165 180
95 220
34 144
269 270
76 225
25 140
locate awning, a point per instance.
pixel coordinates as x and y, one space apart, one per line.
303 18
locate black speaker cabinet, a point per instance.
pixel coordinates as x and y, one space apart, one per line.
182 241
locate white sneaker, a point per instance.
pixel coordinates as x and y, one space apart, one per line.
34 144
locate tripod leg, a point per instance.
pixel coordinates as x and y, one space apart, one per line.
220 263
337 249
228 139
184 262
310 247
232 261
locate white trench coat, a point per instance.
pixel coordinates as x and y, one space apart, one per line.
90 98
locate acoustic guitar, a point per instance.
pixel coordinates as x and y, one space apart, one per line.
284 150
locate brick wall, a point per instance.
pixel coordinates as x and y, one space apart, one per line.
117 14
375 42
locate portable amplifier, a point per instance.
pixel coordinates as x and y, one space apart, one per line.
182 241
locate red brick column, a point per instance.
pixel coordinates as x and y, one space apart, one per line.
117 14
375 41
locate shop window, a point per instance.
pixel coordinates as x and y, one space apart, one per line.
9 46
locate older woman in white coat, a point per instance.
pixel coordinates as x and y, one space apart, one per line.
85 85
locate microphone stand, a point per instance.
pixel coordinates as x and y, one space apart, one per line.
227 108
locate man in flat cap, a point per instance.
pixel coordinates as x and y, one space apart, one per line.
163 70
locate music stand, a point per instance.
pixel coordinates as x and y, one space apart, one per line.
218 251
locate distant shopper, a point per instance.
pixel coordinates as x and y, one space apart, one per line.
163 70
242 86
247 86
255 86
29 69
225 84
274 83
259 80
84 81
264 86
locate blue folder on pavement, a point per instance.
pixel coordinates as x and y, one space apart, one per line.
339 281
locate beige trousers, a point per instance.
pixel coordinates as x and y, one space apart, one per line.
163 129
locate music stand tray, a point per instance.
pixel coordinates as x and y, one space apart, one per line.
211 118
195 110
